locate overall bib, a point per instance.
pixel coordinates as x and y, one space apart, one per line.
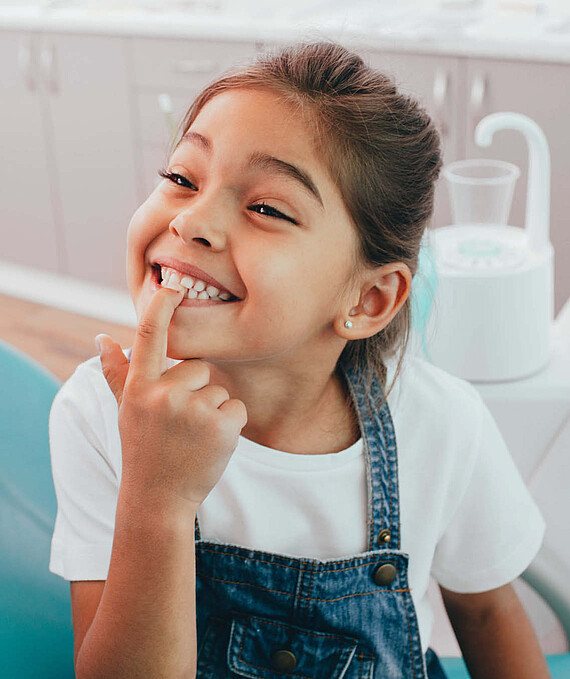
267 616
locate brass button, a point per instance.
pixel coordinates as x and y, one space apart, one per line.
384 536
283 661
385 574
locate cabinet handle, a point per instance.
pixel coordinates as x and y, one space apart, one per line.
439 94
195 66
478 91
165 105
47 60
25 63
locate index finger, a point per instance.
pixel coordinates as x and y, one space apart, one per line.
148 356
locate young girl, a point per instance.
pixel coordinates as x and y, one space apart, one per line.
241 495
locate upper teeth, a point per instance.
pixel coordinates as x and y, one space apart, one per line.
196 288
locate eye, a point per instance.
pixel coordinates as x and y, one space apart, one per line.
173 177
263 209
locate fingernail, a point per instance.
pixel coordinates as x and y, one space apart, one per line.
99 343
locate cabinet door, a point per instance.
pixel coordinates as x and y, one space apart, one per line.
173 71
435 82
91 123
542 92
27 214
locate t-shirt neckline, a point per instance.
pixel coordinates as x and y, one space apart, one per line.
297 461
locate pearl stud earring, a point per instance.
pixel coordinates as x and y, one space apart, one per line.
348 324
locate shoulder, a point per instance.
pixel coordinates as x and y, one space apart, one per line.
438 421
86 398
442 397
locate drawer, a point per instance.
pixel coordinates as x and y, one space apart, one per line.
185 64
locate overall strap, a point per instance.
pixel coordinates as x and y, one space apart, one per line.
380 451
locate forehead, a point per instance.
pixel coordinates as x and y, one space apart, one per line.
257 120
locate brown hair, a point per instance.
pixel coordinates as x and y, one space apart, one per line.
381 149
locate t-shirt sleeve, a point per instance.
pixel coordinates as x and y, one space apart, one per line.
496 529
86 485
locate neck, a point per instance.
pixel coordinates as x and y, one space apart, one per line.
292 408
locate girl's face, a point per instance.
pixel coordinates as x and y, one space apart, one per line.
249 203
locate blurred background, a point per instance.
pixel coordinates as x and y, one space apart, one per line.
92 93
92 90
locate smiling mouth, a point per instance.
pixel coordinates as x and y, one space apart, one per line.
199 289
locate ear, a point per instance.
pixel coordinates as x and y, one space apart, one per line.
382 295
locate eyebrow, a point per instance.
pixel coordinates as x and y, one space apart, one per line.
262 161
202 141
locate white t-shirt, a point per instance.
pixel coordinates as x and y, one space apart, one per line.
467 517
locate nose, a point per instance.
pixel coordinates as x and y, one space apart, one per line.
204 221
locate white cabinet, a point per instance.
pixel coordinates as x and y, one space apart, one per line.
68 172
28 215
93 153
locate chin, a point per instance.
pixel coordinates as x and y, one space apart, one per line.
176 350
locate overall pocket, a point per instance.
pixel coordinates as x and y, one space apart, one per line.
265 649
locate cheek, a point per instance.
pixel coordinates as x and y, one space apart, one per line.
268 273
138 226
142 230
144 227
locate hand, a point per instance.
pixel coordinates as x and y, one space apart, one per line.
177 431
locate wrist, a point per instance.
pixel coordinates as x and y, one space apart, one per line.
155 505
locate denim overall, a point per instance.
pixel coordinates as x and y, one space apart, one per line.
266 616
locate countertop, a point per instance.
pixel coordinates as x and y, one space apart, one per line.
467 32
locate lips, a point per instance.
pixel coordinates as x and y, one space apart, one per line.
189 270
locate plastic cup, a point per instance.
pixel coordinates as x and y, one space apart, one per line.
481 191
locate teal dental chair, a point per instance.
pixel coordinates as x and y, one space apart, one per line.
36 634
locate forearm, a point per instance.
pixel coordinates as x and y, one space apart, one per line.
501 645
145 625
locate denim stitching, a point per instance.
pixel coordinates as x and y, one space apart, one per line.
412 659
414 639
372 419
351 379
311 584
312 633
301 596
394 468
374 464
390 458
297 596
366 561
386 419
